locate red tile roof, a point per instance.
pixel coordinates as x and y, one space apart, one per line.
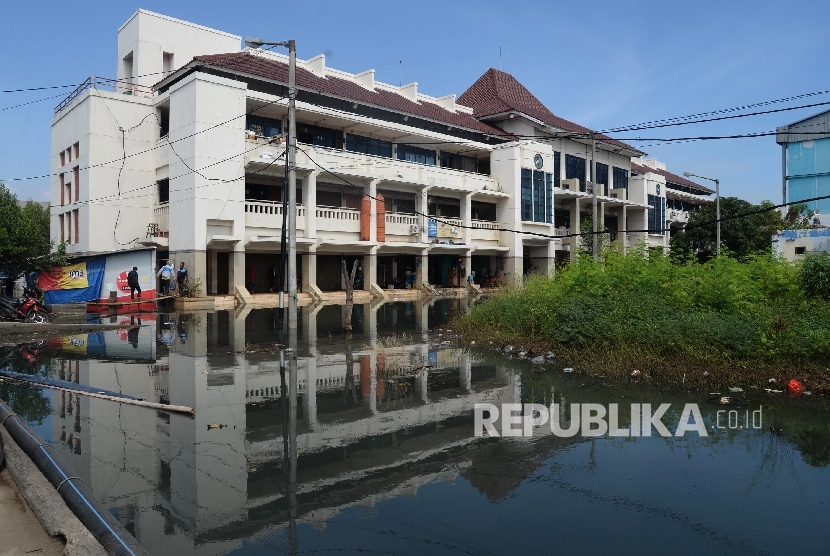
670 178
260 66
497 92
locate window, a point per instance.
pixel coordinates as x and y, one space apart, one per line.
329 198
396 202
416 155
69 154
77 226
538 196
575 168
128 68
549 197
483 211
76 177
443 206
61 224
656 215
163 187
458 162
484 166
557 170
620 178
167 62
368 145
63 158
164 120
63 190
319 136
77 148
800 250
527 195
263 127
602 178
69 226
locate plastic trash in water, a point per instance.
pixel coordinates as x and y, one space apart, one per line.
795 387
735 389
568 370
635 372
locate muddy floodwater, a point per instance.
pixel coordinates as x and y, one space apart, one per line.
370 446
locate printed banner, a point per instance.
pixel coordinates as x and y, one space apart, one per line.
442 229
69 277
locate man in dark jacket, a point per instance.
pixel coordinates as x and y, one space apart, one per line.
132 281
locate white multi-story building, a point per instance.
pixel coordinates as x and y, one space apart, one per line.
671 200
183 152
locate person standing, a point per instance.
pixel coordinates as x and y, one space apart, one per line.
166 273
181 277
272 278
132 282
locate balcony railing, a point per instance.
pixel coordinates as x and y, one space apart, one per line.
161 216
338 219
484 230
402 225
268 214
106 84
560 231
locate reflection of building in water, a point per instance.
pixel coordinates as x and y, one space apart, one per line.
368 426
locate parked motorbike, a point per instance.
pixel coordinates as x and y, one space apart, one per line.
26 309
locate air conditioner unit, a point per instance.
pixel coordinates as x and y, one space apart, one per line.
414 229
572 184
620 194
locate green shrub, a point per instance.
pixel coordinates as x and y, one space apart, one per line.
815 275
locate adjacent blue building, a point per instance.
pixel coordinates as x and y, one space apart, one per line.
805 162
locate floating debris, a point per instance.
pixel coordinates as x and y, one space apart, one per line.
705 373
635 372
735 389
795 387
538 360
568 370
771 391
725 400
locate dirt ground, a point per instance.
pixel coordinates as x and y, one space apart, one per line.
20 530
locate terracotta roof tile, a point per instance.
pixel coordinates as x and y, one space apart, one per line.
497 92
245 62
672 178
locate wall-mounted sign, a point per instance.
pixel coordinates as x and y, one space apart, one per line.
442 229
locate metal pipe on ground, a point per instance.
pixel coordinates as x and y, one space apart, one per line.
78 497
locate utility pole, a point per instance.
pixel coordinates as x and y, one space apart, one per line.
594 196
292 185
717 206
717 215
290 218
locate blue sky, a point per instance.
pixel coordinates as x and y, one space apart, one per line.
600 64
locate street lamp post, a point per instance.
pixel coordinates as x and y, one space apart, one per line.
717 205
291 185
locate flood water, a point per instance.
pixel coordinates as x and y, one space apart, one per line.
386 459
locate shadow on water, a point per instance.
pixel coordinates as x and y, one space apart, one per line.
376 451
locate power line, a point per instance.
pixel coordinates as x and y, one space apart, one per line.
724 110
77 84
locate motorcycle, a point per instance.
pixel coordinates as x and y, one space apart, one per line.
26 309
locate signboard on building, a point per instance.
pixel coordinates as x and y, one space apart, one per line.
442 229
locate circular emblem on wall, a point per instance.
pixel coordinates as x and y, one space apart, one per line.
538 161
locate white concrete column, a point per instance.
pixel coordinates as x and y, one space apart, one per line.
370 267
309 268
575 225
310 397
422 207
468 267
467 217
237 271
421 268
310 204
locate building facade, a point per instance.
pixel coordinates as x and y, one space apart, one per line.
671 200
805 161
184 152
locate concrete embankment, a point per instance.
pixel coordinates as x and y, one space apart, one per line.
41 519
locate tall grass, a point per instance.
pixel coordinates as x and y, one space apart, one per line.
718 311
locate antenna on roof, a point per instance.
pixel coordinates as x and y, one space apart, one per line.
400 68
